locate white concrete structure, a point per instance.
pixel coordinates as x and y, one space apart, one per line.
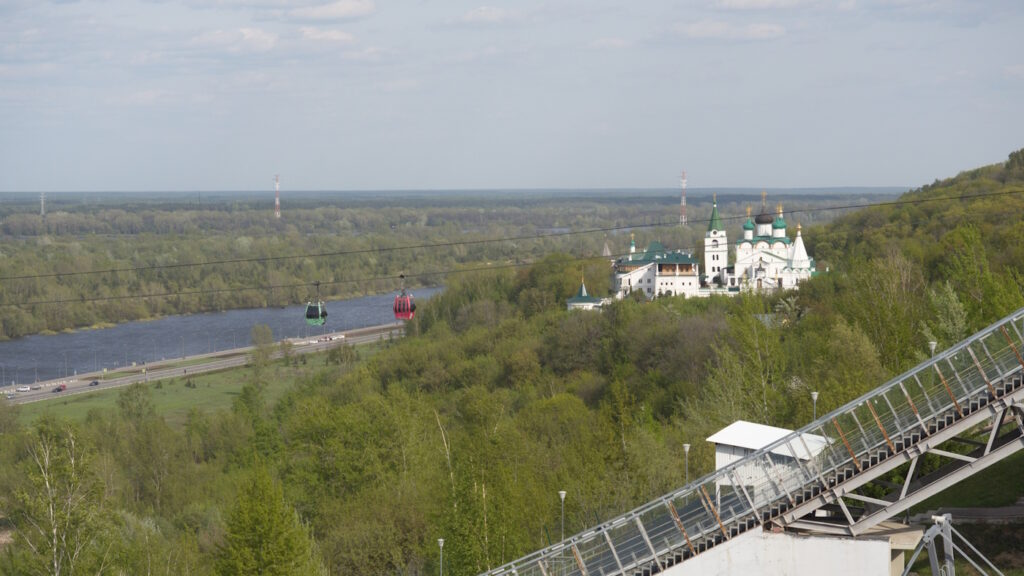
760 553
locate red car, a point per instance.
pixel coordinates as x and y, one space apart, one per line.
60 388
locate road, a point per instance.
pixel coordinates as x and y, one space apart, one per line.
197 364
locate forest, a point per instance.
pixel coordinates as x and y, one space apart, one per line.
353 244
497 399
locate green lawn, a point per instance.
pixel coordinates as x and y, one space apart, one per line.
172 399
998 485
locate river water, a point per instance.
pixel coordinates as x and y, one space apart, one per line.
33 358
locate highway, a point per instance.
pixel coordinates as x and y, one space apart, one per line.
198 364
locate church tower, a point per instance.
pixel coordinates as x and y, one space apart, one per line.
716 245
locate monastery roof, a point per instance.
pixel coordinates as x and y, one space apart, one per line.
582 296
768 239
656 253
716 221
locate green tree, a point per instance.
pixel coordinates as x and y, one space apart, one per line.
56 510
263 347
8 417
265 535
135 404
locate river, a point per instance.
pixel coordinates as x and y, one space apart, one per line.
47 357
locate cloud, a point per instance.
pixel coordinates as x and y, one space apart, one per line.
611 43
368 54
486 15
399 85
237 41
718 30
340 10
758 4
143 97
321 35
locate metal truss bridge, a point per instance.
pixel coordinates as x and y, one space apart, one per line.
963 408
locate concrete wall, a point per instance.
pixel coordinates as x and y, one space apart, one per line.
783 554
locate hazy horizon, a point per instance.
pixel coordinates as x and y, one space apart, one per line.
365 95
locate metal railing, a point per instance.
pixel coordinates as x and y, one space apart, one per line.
827 452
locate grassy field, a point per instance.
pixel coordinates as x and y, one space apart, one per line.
172 399
998 485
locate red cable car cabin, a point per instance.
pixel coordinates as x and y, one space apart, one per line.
405 306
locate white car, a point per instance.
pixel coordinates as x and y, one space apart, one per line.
23 388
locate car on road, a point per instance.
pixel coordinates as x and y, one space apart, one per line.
60 388
36 386
94 383
10 396
23 388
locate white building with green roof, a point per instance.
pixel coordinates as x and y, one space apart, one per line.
766 259
656 272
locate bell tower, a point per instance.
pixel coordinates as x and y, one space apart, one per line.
716 245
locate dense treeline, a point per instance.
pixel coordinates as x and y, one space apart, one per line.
467 429
75 238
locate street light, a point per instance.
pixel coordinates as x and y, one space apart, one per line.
931 346
814 398
686 457
440 566
561 495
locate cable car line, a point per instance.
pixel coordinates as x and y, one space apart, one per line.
428 273
660 223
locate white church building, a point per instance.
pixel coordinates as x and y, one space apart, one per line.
766 259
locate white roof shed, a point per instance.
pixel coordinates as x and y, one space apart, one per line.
749 437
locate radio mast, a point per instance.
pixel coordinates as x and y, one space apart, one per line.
682 201
277 196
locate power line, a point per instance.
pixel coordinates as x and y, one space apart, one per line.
444 272
660 223
421 246
447 272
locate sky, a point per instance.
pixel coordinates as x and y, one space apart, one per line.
196 95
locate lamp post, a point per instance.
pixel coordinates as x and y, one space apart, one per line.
440 565
561 496
931 346
686 459
814 399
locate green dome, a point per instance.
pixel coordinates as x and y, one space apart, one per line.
748 225
779 223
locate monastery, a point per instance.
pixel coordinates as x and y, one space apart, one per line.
766 259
